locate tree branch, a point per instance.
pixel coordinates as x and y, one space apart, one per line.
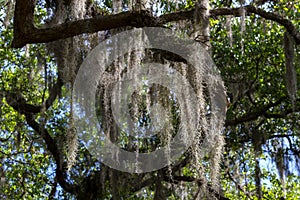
250 9
23 19
73 28
282 114
25 32
240 187
262 13
177 179
263 112
18 102
52 147
253 115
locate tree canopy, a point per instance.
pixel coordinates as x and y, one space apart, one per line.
253 154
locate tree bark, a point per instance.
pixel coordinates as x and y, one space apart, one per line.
26 33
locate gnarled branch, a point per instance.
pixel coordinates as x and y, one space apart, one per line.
25 32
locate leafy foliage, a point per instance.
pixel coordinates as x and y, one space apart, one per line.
261 155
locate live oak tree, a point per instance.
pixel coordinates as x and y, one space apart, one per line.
255 45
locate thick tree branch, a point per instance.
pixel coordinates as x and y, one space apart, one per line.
23 19
17 101
253 115
52 147
73 28
25 32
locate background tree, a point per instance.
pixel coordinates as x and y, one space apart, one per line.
255 45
